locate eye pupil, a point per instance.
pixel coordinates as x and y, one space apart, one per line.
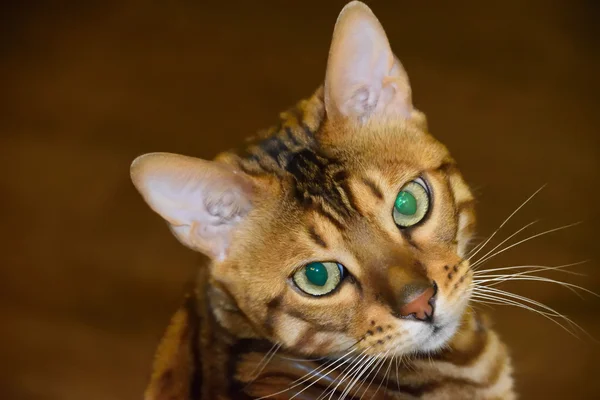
406 203
316 273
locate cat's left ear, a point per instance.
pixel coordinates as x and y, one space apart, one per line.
202 201
364 79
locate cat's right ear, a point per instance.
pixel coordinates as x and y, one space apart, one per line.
202 201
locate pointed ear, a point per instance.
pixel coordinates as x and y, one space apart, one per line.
364 80
203 201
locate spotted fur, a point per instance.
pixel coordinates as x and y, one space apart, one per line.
320 185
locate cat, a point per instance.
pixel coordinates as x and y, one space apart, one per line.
337 242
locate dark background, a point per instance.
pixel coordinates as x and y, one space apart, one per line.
89 276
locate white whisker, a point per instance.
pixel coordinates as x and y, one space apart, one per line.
505 221
387 371
506 240
358 364
264 361
496 300
480 261
551 311
317 371
380 364
537 268
498 279
353 363
359 374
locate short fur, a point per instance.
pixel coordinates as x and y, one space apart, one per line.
320 186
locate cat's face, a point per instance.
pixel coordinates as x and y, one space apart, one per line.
357 243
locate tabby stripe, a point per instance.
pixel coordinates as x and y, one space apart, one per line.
316 237
472 355
272 307
447 166
260 163
331 217
373 187
497 370
309 133
291 136
464 205
323 327
348 196
275 148
408 237
470 227
453 200
252 169
306 339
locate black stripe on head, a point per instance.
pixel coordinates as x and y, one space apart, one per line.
331 217
309 133
275 148
290 135
316 181
347 192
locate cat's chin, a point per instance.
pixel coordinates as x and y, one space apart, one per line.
437 336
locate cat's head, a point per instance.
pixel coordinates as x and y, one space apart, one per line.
357 241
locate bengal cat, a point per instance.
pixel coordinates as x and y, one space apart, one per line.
337 242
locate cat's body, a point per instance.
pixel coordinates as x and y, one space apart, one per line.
338 243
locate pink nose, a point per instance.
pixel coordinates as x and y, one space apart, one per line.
421 306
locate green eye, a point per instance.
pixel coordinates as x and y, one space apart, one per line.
319 278
411 204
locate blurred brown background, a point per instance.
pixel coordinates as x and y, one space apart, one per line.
89 276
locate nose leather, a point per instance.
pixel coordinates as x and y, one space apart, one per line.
420 304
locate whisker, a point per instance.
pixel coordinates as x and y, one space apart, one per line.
505 221
506 240
480 261
509 301
539 268
477 246
317 380
342 374
486 289
527 275
320 358
397 376
358 364
498 279
387 371
358 376
317 371
496 301
355 361
260 366
533 302
380 364
500 301
301 359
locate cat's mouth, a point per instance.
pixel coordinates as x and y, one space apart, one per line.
438 335
436 329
